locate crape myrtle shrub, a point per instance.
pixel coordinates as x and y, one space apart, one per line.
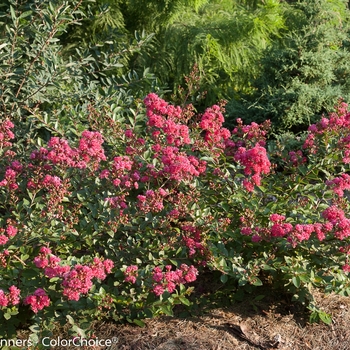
94 232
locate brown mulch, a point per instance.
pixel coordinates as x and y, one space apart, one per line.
244 326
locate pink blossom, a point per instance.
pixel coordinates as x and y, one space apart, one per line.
3 299
158 290
6 134
37 301
333 214
131 274
3 239
256 238
277 218
281 229
339 184
90 147
246 231
346 268
14 295
11 231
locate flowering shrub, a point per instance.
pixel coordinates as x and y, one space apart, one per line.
120 229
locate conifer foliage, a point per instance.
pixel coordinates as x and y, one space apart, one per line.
305 72
224 38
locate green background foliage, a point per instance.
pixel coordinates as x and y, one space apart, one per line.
304 72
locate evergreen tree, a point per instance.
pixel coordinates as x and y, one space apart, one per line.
224 38
306 72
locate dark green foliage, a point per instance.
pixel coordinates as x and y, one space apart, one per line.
306 72
224 38
39 81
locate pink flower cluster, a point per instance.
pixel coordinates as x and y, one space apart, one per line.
11 173
152 201
6 134
194 241
6 234
10 298
50 263
337 123
211 122
131 274
249 135
38 300
117 202
339 184
169 279
90 151
59 152
90 147
294 234
256 162
157 108
124 173
179 166
164 117
77 280
279 228
341 224
338 120
296 158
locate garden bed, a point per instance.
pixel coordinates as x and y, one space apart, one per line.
265 324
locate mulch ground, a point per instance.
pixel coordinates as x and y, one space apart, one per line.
264 324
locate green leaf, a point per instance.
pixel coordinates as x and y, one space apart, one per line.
314 317
223 278
257 282
139 323
262 189
13 13
326 318
296 281
174 262
259 297
25 14
166 310
184 301
70 319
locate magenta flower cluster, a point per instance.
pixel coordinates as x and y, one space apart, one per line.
168 280
76 280
38 300
10 298
8 233
255 162
131 274
335 223
59 152
6 134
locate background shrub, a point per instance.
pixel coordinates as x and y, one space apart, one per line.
303 73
